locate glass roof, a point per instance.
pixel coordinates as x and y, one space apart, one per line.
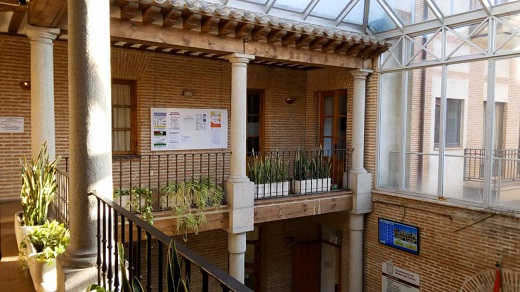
382 15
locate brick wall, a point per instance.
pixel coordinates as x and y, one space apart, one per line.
455 243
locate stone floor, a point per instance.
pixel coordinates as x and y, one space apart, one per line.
12 278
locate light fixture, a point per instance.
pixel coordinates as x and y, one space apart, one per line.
25 85
289 100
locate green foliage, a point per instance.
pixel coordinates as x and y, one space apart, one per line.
316 166
49 241
267 170
175 281
199 193
135 194
38 186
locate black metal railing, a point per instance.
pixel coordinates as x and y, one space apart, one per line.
59 207
506 164
145 250
280 173
155 172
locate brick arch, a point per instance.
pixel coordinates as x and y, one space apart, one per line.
484 281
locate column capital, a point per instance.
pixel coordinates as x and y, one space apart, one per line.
41 33
360 73
239 58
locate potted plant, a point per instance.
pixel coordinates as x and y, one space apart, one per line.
39 249
311 174
189 200
38 190
138 199
269 174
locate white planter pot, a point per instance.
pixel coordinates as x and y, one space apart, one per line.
43 275
272 190
311 185
19 230
125 202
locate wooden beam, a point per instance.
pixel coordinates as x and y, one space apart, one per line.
366 51
171 18
130 10
378 51
301 206
208 24
304 41
330 45
260 33
129 31
16 19
244 30
355 49
317 43
343 47
151 14
290 38
275 36
226 27
48 13
190 20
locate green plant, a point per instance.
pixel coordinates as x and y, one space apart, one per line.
199 193
38 186
175 281
49 240
302 166
136 194
317 166
321 164
267 170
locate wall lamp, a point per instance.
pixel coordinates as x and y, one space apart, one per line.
25 85
289 100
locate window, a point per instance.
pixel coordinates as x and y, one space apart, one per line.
254 121
453 122
123 117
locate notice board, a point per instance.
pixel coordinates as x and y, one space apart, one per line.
188 129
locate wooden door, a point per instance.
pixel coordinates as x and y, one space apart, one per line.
306 267
333 131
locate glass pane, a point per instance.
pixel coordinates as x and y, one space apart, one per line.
450 7
253 129
342 104
422 158
497 2
391 133
467 40
506 166
393 58
329 105
127 140
426 47
329 9
296 6
327 145
357 13
507 35
253 144
250 254
378 19
411 11
464 156
342 144
327 127
342 127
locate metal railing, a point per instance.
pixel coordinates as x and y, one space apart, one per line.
145 250
59 206
280 173
506 164
157 171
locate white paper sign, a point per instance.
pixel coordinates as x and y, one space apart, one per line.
398 280
11 125
188 129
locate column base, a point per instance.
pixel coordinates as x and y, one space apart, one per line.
76 273
240 199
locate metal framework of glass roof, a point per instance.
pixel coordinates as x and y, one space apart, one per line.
383 18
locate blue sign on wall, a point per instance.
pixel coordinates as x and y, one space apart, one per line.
399 235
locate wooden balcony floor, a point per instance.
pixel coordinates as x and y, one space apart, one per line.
12 278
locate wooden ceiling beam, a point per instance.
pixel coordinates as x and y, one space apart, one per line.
260 33
366 51
330 45
190 20
343 47
354 51
171 18
208 24
226 27
275 36
290 38
244 30
151 14
317 43
304 41
16 19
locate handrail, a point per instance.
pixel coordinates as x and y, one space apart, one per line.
227 282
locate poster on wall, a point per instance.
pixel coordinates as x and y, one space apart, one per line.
401 236
11 125
396 279
188 129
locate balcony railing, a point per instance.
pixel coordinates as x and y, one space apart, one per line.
59 207
506 164
145 250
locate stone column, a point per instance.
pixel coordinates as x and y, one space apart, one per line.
42 88
90 141
360 182
239 190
